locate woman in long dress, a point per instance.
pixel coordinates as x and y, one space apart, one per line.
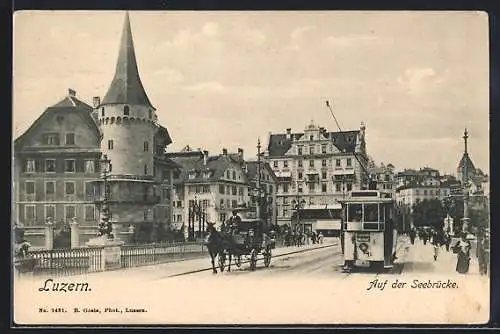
463 254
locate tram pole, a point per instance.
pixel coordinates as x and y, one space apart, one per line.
258 180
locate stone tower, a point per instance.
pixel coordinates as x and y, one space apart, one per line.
128 123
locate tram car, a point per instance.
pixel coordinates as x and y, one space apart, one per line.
368 230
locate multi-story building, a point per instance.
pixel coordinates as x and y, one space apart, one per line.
55 163
57 170
268 184
217 184
386 180
416 192
316 167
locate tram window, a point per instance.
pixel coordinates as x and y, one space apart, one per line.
371 212
381 214
354 212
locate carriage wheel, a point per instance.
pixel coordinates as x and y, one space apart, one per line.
267 258
222 261
253 260
237 261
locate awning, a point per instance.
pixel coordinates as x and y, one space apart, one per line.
328 225
335 206
343 172
283 174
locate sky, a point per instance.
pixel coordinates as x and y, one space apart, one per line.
225 79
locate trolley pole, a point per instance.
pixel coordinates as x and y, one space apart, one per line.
258 179
465 181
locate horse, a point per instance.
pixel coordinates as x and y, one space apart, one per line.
214 244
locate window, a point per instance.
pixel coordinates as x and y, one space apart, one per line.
299 176
311 149
30 187
417 192
285 163
311 187
285 212
69 166
69 211
285 187
299 188
50 165
240 191
349 186
323 163
299 149
323 187
234 190
370 212
89 212
234 203
89 166
29 212
338 187
146 146
110 144
89 190
323 149
228 202
234 175
227 174
102 112
275 164
206 189
311 137
150 113
301 162
354 212
126 110
311 163
110 168
30 166
70 139
425 192
145 169
337 162
69 188
50 187
323 174
221 189
51 139
50 211
349 162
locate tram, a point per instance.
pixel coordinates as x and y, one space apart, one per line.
368 230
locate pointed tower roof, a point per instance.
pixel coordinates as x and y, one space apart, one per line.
126 87
470 165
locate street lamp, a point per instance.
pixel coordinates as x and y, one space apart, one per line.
105 227
299 205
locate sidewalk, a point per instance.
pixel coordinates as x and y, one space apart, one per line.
420 260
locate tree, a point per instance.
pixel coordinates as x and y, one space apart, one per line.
62 237
143 233
429 213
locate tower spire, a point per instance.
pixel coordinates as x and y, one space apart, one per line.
126 87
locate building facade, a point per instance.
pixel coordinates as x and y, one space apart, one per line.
386 178
57 160
268 184
316 167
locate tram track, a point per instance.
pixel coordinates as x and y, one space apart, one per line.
260 258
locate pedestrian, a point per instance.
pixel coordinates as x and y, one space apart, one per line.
320 236
462 249
413 234
436 243
425 236
447 241
483 252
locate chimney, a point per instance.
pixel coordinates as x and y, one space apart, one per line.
205 157
97 101
71 92
288 133
224 151
240 154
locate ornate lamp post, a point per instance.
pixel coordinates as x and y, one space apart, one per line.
105 227
299 205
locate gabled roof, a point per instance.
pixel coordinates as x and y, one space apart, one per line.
126 87
194 160
279 144
69 104
252 170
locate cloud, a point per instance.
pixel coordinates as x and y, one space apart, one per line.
297 36
418 80
210 29
169 75
347 41
209 87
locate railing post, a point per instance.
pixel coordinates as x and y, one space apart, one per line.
49 234
75 234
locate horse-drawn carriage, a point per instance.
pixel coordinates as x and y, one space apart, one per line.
247 239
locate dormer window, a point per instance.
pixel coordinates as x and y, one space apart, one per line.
102 112
126 110
150 113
